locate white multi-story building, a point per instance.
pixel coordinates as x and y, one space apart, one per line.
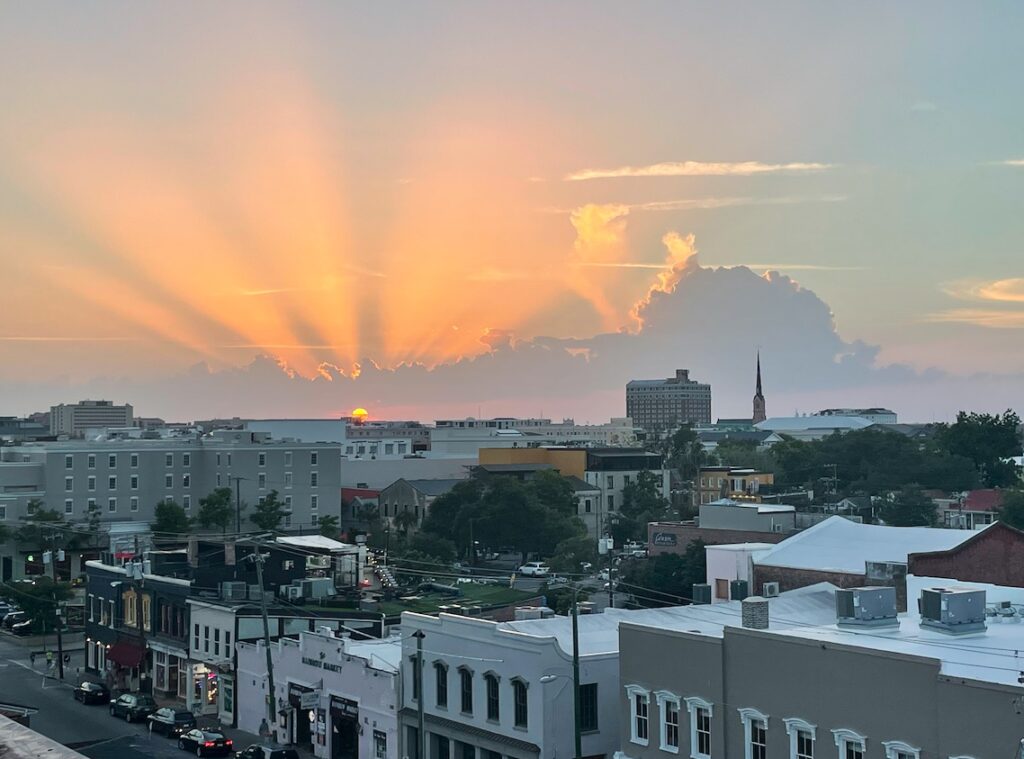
339 695
75 418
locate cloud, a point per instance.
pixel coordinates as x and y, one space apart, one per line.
697 169
924 106
1014 162
802 267
712 203
63 339
1010 290
980 317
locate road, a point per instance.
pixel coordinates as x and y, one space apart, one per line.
89 730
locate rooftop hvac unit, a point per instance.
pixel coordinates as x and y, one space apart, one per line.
738 590
953 610
233 591
292 592
585 607
866 607
255 593
701 593
770 590
317 587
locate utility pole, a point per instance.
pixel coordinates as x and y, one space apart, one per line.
272 694
238 504
421 742
60 641
576 672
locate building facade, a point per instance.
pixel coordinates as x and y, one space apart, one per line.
736 483
660 406
412 497
74 419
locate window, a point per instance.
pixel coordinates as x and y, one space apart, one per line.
699 712
227 642
134 482
380 744
91 483
611 503
3 513
69 462
261 459
112 482
315 519
639 723
218 479
493 698
287 479
112 461
287 458
288 503
229 459
314 502
466 690
206 638
313 458
755 733
186 459
900 750
216 642
588 707
147 619
195 638
287 520
668 704
611 480
134 460
168 480
69 484
186 480
92 460
851 745
441 684
801 738
90 505
625 479
111 504
586 505
69 506
261 480
521 703
168 459
186 502
314 479
417 675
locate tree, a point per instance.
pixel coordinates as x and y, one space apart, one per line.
171 520
269 514
988 440
1012 510
42 528
216 510
642 502
668 578
404 521
329 526
572 552
909 508
39 600
684 452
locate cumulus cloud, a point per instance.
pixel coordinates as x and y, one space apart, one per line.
1000 301
696 169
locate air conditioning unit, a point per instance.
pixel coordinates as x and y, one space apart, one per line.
255 592
292 592
777 528
953 610
770 589
233 591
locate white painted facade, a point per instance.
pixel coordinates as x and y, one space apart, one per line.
726 563
354 686
485 649
210 667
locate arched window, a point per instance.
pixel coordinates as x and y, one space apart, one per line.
802 735
441 683
900 750
520 701
851 745
699 712
755 733
493 697
466 690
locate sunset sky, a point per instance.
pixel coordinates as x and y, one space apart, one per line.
338 186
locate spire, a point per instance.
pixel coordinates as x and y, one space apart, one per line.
759 406
759 393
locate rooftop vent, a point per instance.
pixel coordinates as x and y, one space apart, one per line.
701 593
866 607
953 610
755 613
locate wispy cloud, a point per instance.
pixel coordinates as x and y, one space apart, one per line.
1012 162
712 203
62 339
802 267
697 169
1010 290
981 317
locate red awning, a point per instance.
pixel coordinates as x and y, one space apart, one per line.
126 654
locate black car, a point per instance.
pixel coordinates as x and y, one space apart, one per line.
256 751
12 618
205 743
25 627
92 693
171 722
132 706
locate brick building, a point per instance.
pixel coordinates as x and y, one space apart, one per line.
674 537
994 555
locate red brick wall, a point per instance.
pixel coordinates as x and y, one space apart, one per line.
790 579
995 556
686 534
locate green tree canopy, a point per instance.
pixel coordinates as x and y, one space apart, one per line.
1012 510
988 440
268 515
666 579
909 508
39 599
216 510
684 452
642 502
171 520
329 526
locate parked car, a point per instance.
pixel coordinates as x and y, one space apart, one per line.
535 569
25 627
257 751
132 706
12 618
89 692
205 742
171 722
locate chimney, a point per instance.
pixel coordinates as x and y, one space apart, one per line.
755 613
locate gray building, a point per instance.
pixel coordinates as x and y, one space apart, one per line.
664 404
75 418
758 686
412 496
124 480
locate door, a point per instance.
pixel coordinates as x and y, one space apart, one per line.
300 716
344 736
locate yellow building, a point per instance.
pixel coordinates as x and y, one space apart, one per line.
570 462
739 484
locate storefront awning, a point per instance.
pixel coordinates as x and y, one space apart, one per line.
126 654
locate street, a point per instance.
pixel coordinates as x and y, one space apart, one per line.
89 730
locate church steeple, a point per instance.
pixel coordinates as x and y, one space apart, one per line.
759 408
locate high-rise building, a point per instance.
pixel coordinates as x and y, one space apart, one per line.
662 405
759 410
75 418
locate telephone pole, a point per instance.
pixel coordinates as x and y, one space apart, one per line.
272 694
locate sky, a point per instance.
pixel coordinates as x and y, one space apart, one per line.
435 209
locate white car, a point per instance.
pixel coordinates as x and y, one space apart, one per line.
534 569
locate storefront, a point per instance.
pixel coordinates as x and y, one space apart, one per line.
124 667
299 717
344 728
202 688
167 666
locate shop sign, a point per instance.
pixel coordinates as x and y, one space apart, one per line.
665 539
346 706
309 661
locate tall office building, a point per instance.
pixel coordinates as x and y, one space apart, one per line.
662 405
75 418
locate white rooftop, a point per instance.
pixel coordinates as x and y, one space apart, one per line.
839 545
315 541
599 633
740 547
762 508
795 423
385 653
